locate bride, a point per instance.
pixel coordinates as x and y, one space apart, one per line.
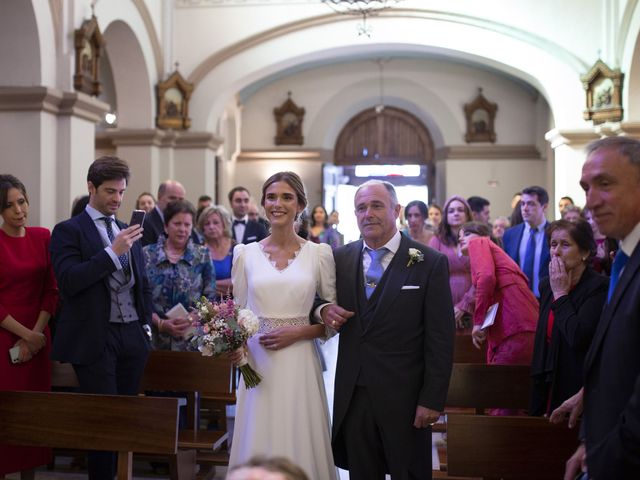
277 278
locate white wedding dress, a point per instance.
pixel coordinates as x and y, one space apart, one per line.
286 414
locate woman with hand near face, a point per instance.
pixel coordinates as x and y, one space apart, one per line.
456 213
571 301
28 296
278 279
179 271
214 224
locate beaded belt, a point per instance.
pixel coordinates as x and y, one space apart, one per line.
268 324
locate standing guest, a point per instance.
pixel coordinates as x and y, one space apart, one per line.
571 301
417 215
497 279
606 248
527 243
204 201
79 204
611 421
456 213
244 230
103 325
516 215
334 221
180 272
254 214
515 200
168 191
278 279
480 209
214 225
28 297
435 215
499 226
145 202
396 344
319 229
572 213
564 203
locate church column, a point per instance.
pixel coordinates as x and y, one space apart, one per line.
48 138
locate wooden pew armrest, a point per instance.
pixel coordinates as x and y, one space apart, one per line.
202 439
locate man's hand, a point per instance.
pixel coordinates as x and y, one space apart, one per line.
576 464
478 336
124 240
572 406
335 316
425 417
457 315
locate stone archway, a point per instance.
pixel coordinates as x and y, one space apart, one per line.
390 137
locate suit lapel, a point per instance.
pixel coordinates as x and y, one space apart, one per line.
88 227
629 273
391 283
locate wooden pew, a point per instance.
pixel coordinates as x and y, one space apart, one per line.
198 377
465 352
95 422
511 448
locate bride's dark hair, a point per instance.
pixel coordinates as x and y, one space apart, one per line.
291 179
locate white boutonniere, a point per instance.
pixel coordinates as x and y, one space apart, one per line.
415 256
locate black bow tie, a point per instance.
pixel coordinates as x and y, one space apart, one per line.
236 222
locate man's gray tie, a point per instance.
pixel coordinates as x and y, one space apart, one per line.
124 259
375 271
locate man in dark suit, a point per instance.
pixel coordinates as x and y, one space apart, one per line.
396 344
527 244
168 191
103 326
611 423
244 230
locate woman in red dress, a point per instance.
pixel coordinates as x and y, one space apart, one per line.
28 297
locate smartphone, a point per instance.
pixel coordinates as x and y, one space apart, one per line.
137 217
14 354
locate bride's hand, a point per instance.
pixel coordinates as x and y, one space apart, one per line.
237 355
280 338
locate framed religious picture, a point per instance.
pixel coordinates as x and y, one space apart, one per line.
480 115
88 43
173 103
603 87
289 123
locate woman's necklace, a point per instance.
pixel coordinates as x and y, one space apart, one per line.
173 256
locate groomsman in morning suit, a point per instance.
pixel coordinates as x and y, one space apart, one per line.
528 244
244 230
168 191
611 422
396 344
103 326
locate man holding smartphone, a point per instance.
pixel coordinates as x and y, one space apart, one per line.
103 325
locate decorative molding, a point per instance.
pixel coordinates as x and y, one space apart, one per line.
136 137
54 101
109 139
630 129
492 152
211 62
271 155
575 138
206 140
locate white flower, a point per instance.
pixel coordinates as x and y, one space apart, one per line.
415 256
248 321
206 350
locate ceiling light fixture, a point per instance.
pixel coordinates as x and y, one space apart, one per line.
364 8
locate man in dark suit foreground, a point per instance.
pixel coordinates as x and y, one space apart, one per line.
103 325
611 423
396 344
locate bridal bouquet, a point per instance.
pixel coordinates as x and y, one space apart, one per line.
224 327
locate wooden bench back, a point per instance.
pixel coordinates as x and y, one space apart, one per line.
511 448
489 386
187 372
465 352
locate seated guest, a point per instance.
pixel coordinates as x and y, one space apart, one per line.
571 302
179 271
456 212
498 279
418 230
214 224
606 248
572 213
145 202
319 229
